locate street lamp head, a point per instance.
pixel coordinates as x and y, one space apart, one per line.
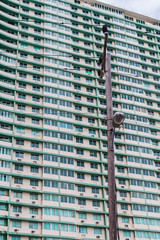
105 29
118 119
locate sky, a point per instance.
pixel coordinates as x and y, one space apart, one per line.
145 7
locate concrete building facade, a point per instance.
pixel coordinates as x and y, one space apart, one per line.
53 134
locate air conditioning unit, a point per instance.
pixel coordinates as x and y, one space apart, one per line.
33 202
123 199
16 230
19 159
126 225
17 200
34 161
17 215
81 194
125 212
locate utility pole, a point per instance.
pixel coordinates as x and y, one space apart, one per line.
113 121
113 232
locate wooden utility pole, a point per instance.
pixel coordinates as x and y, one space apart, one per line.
106 71
113 232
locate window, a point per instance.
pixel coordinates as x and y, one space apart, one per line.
34 157
17 209
124 206
78 118
81 202
21 107
20 142
35 99
91 110
35 88
92 142
35 144
33 225
33 210
123 194
17 195
80 164
94 165
122 181
35 121
78 107
97 217
20 130
15 238
80 152
21 118
18 167
95 203
36 78
92 131
82 215
79 140
121 170
80 176
97 230
82 229
77 97
22 96
34 169
16 224
126 234
94 178
125 220
95 190
34 196
22 85
18 180
93 154
35 132
81 189
91 120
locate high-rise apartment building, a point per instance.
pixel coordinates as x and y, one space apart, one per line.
53 135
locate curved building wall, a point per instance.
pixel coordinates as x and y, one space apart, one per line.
53 134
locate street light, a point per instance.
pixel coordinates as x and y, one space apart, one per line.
105 29
114 120
118 119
